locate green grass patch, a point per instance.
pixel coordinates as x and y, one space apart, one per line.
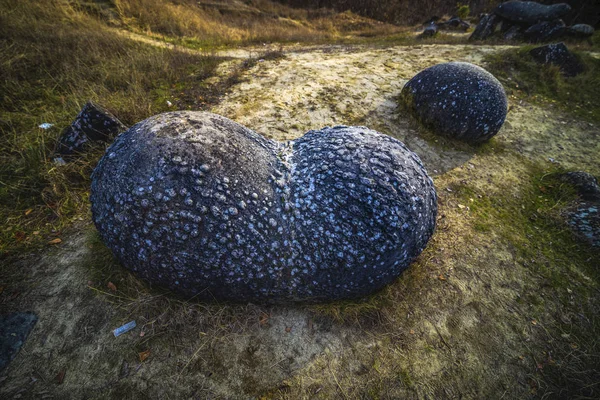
524 78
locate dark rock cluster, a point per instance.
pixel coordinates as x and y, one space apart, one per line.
529 21
206 207
93 123
558 54
457 99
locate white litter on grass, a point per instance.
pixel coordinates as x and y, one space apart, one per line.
169 104
46 125
59 161
124 329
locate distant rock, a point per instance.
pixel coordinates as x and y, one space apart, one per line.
513 33
485 28
430 30
530 11
580 31
14 329
455 23
558 54
546 31
93 123
457 99
208 208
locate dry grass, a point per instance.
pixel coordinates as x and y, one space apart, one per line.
208 25
52 60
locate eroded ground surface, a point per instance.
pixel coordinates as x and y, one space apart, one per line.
487 311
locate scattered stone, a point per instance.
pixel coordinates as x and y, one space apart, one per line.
485 27
580 31
546 31
455 23
14 329
558 54
530 11
430 30
457 99
208 208
93 123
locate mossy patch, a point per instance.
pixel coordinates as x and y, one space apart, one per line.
543 84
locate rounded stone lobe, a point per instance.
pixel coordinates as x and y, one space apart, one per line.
204 206
457 99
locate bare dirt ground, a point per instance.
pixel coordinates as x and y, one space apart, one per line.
470 319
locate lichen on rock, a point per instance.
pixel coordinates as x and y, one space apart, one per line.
206 207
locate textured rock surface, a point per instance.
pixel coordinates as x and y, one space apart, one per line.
546 31
558 54
204 206
530 11
91 124
14 329
586 184
457 99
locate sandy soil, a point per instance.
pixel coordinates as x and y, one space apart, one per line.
466 320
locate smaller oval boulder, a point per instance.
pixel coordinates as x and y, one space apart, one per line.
457 99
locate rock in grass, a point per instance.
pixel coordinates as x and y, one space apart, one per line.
546 31
584 183
558 54
430 30
531 12
580 31
206 207
455 23
93 123
14 329
513 33
485 28
457 99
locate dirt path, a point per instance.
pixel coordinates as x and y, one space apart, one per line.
470 319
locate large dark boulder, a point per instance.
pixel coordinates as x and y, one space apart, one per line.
546 31
208 208
558 54
457 99
93 123
14 329
531 12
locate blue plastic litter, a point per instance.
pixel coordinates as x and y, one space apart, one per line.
124 329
